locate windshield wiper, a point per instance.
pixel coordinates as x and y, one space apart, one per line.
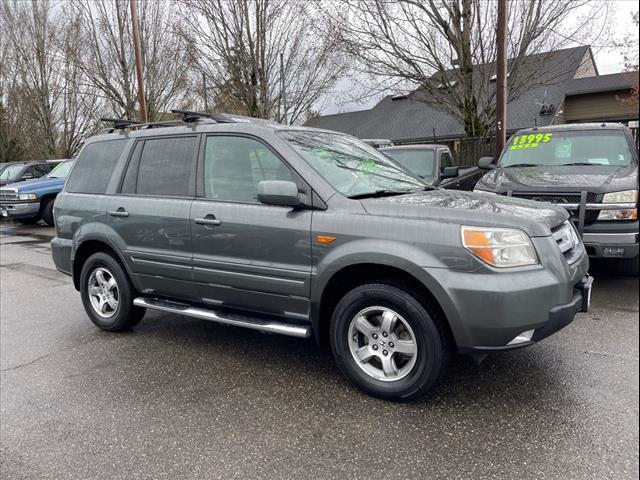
579 163
523 165
378 194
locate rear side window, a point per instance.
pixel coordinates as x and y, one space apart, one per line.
95 165
165 167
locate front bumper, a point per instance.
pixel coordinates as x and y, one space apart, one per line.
19 209
611 239
488 309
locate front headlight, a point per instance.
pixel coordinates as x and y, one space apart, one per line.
628 196
28 196
500 247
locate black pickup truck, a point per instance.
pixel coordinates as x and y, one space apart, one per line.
434 164
590 169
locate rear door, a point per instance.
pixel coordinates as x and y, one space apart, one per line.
246 254
149 216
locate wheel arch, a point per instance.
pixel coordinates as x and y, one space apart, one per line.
349 277
87 248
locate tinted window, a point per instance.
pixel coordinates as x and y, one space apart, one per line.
42 169
234 166
94 167
445 160
166 166
419 161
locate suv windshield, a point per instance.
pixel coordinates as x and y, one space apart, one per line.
559 148
62 170
352 167
11 171
419 161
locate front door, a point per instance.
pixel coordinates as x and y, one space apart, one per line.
246 254
149 217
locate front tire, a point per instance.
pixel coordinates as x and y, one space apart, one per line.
107 294
46 212
388 343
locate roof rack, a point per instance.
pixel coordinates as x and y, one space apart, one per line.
120 123
189 116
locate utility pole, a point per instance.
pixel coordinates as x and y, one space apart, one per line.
501 80
283 91
138 55
204 92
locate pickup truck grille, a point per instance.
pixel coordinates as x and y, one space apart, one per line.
8 194
571 200
568 241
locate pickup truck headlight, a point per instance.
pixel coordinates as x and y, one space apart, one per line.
628 196
500 247
27 196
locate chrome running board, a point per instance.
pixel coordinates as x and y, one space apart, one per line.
268 326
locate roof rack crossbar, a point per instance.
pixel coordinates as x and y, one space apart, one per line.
120 123
190 116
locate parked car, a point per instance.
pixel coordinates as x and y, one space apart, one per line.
435 165
19 171
378 142
31 200
589 169
308 232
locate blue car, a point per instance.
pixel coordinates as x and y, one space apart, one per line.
29 201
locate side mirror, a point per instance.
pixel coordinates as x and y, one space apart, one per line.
486 163
450 172
277 192
27 176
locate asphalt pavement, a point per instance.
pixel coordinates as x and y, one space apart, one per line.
180 398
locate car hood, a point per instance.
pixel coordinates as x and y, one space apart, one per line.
36 184
596 178
468 208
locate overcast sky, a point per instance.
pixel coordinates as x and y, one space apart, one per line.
609 59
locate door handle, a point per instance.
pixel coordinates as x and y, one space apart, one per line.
209 220
120 213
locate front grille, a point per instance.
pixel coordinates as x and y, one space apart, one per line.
557 198
8 194
568 241
561 199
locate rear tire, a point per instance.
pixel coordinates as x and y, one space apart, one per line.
107 294
399 352
46 212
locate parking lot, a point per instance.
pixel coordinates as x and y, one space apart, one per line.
183 398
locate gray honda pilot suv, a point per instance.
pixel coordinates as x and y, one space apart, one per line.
307 232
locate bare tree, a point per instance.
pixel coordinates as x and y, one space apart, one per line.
49 110
629 47
447 49
107 57
237 45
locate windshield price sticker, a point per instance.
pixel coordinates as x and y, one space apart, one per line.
530 141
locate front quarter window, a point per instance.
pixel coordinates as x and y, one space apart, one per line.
353 168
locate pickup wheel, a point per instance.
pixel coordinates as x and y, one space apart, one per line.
46 212
388 343
107 294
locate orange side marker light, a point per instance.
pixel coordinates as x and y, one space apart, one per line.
326 239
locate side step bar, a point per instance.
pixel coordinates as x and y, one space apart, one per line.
269 326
